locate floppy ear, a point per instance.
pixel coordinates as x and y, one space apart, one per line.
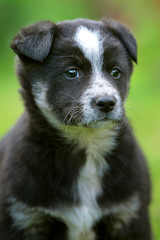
123 34
34 41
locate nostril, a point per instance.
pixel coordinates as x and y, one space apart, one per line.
105 104
111 104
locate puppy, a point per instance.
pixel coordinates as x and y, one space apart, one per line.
71 168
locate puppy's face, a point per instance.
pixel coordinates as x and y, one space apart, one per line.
82 79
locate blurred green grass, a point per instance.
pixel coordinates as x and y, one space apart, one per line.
144 100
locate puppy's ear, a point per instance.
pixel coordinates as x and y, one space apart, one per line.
35 41
123 34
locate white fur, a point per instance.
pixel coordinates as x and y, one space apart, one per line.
39 91
124 213
79 219
91 44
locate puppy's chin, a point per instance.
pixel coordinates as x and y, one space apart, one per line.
99 124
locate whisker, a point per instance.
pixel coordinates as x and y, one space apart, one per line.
133 108
72 108
79 118
72 115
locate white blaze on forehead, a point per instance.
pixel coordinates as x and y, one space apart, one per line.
91 44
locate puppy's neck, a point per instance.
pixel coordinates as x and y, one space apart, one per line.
100 140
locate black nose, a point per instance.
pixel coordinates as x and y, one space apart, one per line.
105 104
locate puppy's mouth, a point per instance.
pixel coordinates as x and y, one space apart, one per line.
102 123
105 119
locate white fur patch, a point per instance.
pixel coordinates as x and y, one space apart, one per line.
39 91
91 44
125 212
79 219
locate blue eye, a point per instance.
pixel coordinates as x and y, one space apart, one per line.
116 73
72 73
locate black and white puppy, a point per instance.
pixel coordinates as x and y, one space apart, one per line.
71 168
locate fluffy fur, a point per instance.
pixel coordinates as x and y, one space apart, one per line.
71 168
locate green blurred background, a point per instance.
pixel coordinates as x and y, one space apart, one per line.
143 17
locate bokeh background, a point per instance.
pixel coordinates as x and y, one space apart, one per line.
143 105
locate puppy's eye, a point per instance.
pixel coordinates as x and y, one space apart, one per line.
116 73
72 73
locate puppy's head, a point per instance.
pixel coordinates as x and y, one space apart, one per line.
77 72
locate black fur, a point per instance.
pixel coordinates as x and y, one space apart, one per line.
38 166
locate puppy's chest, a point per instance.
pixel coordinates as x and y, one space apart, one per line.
79 218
